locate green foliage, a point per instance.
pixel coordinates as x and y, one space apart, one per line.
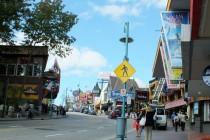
49 25
11 14
43 23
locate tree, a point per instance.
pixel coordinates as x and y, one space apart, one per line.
43 23
11 14
48 25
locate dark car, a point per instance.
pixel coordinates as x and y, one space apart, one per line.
92 112
114 114
86 111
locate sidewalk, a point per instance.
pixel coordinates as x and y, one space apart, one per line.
193 135
161 135
168 134
41 117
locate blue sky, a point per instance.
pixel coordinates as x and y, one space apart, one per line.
98 49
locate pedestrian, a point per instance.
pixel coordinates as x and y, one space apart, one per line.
176 121
172 118
182 118
30 114
149 123
57 111
143 113
136 125
18 112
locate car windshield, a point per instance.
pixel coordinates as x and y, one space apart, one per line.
160 112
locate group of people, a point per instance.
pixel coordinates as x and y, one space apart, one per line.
179 119
144 120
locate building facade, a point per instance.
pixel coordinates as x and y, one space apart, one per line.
21 69
182 58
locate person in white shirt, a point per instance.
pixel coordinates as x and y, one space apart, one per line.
176 121
182 118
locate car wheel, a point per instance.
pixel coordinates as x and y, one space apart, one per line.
165 127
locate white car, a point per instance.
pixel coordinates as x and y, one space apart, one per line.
160 119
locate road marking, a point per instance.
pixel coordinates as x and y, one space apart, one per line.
101 127
53 135
13 126
82 131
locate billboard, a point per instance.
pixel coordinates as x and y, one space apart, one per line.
171 21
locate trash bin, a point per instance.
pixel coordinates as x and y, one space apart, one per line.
121 128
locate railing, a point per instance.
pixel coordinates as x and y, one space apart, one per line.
158 91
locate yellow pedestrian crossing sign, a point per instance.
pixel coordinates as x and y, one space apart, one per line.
124 71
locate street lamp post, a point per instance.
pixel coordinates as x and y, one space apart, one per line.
51 98
51 106
125 40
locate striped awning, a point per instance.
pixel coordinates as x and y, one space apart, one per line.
176 103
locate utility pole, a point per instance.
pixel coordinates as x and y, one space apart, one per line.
125 40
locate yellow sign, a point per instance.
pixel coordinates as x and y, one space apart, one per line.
124 71
176 74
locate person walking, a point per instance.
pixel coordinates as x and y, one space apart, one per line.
18 112
172 118
182 121
136 125
149 123
176 121
142 114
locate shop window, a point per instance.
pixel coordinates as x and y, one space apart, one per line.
37 70
207 111
192 116
21 70
11 69
3 69
29 70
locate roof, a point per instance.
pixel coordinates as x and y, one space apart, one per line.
24 50
116 84
158 68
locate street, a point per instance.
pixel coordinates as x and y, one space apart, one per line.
76 126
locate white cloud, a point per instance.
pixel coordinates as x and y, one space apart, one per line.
156 3
114 1
82 62
85 15
117 9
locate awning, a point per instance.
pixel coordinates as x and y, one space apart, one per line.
174 104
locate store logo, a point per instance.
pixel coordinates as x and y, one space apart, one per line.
206 75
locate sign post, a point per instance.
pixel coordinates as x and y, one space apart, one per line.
124 71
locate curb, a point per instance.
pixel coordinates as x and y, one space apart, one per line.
35 118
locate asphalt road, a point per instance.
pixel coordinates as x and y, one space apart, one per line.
76 126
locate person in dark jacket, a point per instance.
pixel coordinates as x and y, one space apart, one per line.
149 123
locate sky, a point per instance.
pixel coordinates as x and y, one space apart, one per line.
98 49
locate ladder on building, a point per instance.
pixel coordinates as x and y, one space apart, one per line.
158 91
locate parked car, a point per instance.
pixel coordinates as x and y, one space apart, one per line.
92 112
70 110
161 118
83 108
114 114
86 111
76 108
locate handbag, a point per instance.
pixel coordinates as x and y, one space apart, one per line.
142 121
